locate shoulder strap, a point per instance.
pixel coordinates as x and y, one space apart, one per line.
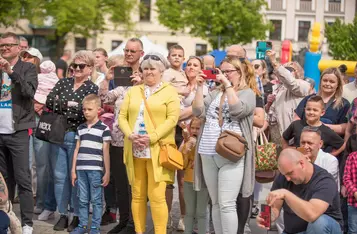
220 114
148 109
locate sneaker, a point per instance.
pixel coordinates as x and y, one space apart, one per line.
181 225
61 224
94 230
80 230
37 210
74 224
129 229
118 228
46 215
107 218
169 222
27 229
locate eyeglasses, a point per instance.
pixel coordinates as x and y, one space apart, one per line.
8 46
228 71
256 66
290 69
131 51
76 65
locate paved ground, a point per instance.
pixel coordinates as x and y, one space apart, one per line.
46 227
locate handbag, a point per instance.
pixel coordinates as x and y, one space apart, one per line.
266 158
52 126
169 157
230 144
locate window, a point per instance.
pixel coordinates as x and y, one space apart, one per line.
81 43
201 49
145 9
334 0
169 44
304 27
115 44
275 33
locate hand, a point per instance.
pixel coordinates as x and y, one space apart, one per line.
191 143
260 222
222 78
275 195
343 191
200 79
5 66
185 91
74 177
136 78
105 179
271 98
271 55
72 104
133 137
355 195
144 140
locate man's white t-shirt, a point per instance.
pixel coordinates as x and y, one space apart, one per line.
329 163
6 123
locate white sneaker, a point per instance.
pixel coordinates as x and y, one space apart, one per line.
169 222
27 229
37 210
181 225
46 215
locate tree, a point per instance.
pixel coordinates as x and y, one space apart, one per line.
342 40
80 17
221 22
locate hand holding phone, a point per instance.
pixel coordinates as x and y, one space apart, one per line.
265 215
122 76
210 74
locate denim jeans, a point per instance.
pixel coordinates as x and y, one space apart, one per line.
323 225
62 164
90 190
4 222
223 179
352 219
50 202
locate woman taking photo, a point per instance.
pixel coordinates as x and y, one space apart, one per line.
67 96
336 107
224 178
141 144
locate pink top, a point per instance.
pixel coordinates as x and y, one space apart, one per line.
46 81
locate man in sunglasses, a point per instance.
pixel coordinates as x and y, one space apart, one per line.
18 87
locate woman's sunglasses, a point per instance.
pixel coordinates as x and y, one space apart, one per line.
80 65
153 57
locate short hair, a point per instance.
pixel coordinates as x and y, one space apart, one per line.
176 47
161 65
103 51
311 129
21 38
342 68
318 99
115 60
86 55
135 39
11 34
92 98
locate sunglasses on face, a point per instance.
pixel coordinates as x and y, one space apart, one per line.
80 65
131 51
8 46
256 66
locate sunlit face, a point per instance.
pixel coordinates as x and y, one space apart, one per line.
233 74
329 83
90 110
195 127
311 142
151 75
258 68
133 52
193 67
176 58
9 48
293 171
100 59
81 69
313 111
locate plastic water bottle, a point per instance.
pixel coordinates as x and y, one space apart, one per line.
142 130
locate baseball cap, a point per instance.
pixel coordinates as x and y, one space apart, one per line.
33 52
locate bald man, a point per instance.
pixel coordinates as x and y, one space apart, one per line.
236 51
307 193
208 61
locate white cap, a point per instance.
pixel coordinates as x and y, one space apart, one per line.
33 52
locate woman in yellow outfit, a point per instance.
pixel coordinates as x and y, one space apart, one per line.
141 144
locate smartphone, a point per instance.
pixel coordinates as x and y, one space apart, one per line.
262 47
122 76
266 215
210 74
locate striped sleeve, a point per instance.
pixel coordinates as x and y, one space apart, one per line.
106 134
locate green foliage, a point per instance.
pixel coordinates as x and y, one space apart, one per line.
342 39
221 22
84 17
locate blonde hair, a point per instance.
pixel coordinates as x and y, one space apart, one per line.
161 65
250 76
265 75
339 89
235 62
92 98
86 55
115 60
197 58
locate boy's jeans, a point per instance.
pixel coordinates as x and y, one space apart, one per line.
90 190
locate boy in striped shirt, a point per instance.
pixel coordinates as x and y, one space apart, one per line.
93 140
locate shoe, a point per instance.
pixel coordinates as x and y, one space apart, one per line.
107 218
169 222
61 224
255 212
27 229
74 224
80 230
118 228
37 210
46 215
181 225
129 229
94 231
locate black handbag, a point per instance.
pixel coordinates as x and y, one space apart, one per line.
52 126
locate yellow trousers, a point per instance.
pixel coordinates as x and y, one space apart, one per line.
145 186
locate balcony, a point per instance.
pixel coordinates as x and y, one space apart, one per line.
334 7
305 6
276 5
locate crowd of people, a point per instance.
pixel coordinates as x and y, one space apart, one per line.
108 163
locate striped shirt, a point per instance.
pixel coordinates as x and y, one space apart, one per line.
90 154
212 130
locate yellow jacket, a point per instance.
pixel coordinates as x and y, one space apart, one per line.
164 105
